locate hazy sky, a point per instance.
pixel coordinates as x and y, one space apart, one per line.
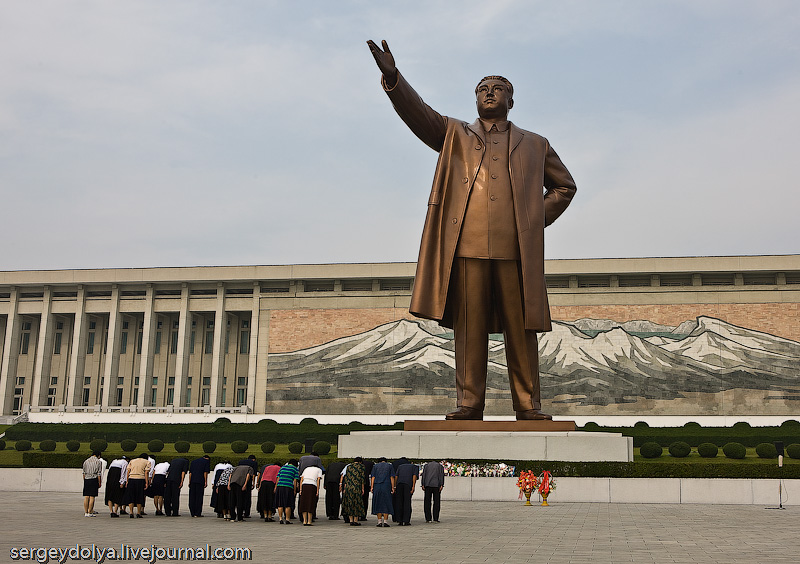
173 133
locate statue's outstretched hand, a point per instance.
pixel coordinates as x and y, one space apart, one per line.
385 61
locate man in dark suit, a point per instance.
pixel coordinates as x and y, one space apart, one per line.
481 261
172 487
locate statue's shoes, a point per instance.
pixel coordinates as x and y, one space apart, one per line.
532 415
465 414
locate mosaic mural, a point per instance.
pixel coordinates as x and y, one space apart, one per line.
591 366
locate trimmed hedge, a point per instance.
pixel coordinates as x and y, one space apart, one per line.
219 431
766 450
322 447
679 449
156 445
98 445
239 446
736 451
267 447
128 445
2 445
295 447
23 445
650 450
793 451
73 445
182 446
48 445
707 450
209 447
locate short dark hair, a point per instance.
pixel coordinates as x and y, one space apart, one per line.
496 77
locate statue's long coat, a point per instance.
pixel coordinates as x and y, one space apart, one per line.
542 189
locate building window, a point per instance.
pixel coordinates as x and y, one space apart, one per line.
119 396
155 380
60 325
191 343
170 396
87 380
207 381
223 396
53 380
120 380
240 397
85 399
189 381
25 342
124 324
20 380
153 396
244 342
57 343
92 325
171 381
139 343
135 400
241 381
157 344
123 343
90 343
245 323
209 342
174 344
206 395
188 397
136 381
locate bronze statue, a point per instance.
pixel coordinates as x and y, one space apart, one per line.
481 260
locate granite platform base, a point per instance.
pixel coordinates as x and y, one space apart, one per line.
570 446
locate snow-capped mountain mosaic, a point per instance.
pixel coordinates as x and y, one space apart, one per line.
704 366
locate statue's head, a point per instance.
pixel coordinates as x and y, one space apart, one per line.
494 97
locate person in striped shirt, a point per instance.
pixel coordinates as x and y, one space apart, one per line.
285 490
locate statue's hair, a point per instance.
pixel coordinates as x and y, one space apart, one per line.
496 77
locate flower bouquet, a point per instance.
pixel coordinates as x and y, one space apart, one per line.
546 485
527 482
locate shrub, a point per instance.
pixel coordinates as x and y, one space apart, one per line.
268 447
182 446
734 450
793 450
308 421
128 445
679 449
741 425
692 425
73 445
322 447
2 444
209 447
650 450
790 424
295 447
98 445
707 450
641 425
156 445
222 421
23 445
239 446
591 426
47 445
766 450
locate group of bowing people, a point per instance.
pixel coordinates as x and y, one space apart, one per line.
347 489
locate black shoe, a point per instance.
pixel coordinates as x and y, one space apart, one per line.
139 515
159 512
386 525
114 515
333 518
132 515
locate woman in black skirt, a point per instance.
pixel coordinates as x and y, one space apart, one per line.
115 492
266 491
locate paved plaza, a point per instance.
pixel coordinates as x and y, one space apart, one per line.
468 532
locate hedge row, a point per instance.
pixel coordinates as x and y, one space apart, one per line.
566 469
221 431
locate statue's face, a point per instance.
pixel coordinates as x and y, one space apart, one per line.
493 98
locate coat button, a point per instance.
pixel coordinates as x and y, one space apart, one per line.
477 147
493 197
455 221
494 176
494 158
465 180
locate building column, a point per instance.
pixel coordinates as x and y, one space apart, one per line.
44 352
148 343
111 368
8 368
77 353
182 360
218 356
252 363
261 375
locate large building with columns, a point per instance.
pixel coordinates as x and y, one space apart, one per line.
296 339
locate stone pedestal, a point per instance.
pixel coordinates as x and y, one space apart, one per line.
493 440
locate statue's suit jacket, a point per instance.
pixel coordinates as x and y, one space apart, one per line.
542 188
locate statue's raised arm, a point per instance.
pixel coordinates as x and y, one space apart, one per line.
385 61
